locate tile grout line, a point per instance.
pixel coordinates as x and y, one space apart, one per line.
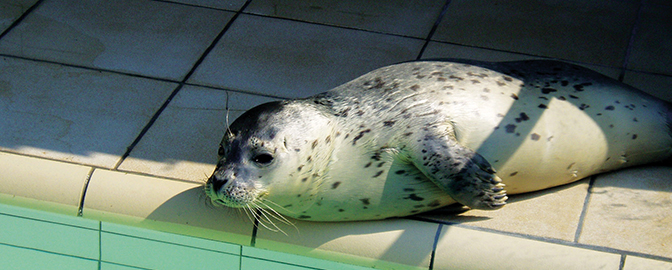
444 9
436 243
20 18
631 41
584 209
622 262
182 83
82 197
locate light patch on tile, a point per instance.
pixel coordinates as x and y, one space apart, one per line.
40 179
630 210
407 18
460 248
552 213
379 242
149 38
183 141
639 263
589 32
292 59
163 204
71 114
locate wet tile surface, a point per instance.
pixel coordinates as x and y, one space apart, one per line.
11 10
293 59
629 210
148 38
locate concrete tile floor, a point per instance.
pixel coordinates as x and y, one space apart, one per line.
142 88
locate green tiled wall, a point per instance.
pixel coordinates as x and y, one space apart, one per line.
32 239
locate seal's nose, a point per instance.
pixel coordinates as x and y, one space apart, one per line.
217 183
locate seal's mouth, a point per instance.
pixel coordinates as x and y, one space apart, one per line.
232 193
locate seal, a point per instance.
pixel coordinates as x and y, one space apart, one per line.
416 136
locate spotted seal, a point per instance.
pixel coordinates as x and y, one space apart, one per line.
416 136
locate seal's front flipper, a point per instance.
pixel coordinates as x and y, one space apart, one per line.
476 185
459 171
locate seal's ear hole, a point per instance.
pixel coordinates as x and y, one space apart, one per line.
263 159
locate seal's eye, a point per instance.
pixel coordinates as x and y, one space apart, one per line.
263 159
221 151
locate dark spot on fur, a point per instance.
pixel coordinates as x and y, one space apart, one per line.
634 136
408 134
365 201
367 165
335 185
415 87
635 119
388 123
510 128
327 139
548 90
434 203
584 106
415 197
475 81
535 136
400 172
513 174
314 145
341 210
360 135
304 179
523 117
303 217
573 96
409 189
543 106
299 168
579 87
609 108
378 174
508 79
514 96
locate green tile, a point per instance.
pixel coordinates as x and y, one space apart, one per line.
140 252
49 217
112 266
48 236
171 238
258 264
278 258
23 258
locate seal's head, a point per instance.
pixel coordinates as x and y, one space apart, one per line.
267 157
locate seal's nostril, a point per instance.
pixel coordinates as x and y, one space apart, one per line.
217 184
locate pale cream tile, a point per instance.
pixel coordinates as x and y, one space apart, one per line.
461 248
149 38
73 114
639 263
630 210
173 206
40 179
652 46
595 32
293 59
10 10
656 85
551 213
401 243
408 18
183 141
